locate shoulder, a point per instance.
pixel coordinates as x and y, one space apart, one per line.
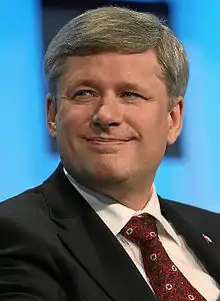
190 209
26 214
28 248
199 216
30 202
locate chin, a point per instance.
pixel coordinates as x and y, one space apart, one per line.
101 169
111 174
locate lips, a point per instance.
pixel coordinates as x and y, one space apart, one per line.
107 145
108 140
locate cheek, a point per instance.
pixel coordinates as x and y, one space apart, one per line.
70 120
151 123
72 124
66 126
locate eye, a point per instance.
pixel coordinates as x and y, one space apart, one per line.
130 94
135 97
83 93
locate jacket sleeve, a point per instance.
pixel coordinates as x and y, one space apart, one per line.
27 269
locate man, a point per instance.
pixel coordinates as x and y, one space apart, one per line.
96 229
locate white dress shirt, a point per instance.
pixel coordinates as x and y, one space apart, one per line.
116 216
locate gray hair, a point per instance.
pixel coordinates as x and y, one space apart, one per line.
121 30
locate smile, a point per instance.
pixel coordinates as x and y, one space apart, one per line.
107 140
107 144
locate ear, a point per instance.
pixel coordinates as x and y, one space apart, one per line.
51 111
175 120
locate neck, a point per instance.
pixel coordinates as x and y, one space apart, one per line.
135 200
134 195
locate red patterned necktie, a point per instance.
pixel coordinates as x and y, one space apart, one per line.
167 281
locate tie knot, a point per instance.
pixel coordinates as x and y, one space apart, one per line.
140 228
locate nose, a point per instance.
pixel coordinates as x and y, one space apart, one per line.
108 112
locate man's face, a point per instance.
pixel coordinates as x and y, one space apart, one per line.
112 118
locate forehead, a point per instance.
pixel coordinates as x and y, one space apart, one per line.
113 67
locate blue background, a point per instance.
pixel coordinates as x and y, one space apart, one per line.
25 160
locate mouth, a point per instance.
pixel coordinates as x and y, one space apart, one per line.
108 140
107 145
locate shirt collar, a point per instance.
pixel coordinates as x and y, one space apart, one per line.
115 215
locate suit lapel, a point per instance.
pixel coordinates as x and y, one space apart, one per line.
88 239
192 232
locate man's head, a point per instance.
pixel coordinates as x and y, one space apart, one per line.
120 30
116 82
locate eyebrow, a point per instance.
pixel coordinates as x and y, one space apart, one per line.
84 82
96 84
131 86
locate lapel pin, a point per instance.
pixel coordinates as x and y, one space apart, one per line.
208 239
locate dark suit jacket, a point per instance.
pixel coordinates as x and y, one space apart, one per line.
53 246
